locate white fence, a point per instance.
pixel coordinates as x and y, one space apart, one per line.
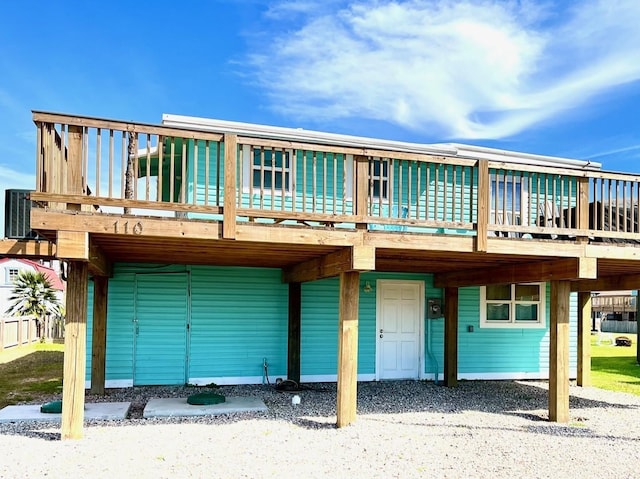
16 331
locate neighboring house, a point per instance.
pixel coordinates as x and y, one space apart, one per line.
14 333
327 257
11 267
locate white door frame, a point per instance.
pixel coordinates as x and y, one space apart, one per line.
379 285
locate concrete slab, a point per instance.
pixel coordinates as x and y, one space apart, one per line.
92 411
176 407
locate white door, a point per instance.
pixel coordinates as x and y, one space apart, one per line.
398 332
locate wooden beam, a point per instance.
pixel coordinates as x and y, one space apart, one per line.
230 177
559 352
99 334
99 263
484 189
16 248
75 345
451 337
347 387
73 245
584 339
355 258
566 268
608 283
123 225
295 316
98 201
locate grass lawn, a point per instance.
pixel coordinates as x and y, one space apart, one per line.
28 372
615 367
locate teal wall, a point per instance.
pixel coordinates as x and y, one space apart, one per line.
239 316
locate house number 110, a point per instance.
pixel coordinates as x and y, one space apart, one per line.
124 228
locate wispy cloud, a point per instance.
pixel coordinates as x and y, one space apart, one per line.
462 69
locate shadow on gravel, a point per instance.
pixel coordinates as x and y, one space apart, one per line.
527 400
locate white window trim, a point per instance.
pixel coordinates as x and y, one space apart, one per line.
7 277
247 171
542 314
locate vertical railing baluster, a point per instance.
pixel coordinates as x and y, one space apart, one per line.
183 179
196 160
304 180
207 170
111 154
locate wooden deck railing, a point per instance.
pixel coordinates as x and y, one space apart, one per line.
119 166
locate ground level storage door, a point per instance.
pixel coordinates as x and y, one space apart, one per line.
161 328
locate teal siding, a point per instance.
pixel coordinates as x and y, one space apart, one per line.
239 316
161 312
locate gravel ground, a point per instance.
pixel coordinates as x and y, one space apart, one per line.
404 429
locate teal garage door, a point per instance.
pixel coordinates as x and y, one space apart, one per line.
161 328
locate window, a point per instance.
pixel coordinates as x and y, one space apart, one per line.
379 178
512 306
267 169
12 275
508 199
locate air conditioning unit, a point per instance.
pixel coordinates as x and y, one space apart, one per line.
17 215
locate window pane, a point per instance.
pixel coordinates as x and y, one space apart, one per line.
498 312
267 179
505 184
499 291
527 312
527 292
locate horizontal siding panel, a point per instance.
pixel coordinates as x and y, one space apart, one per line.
239 316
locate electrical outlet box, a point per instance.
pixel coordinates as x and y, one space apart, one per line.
434 308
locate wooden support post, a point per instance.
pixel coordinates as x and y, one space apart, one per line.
451 337
75 345
99 334
293 352
559 352
230 180
484 202
584 338
348 348
362 188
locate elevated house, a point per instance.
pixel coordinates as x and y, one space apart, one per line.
202 251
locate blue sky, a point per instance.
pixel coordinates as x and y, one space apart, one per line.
557 78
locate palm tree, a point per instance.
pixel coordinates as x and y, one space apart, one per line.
33 295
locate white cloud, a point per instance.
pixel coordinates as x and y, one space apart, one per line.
464 69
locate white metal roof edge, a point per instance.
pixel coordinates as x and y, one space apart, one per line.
299 134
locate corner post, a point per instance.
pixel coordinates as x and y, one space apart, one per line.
348 348
293 350
362 188
99 334
451 337
74 179
559 352
484 200
230 181
75 345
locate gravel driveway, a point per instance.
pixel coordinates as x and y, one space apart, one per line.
404 429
